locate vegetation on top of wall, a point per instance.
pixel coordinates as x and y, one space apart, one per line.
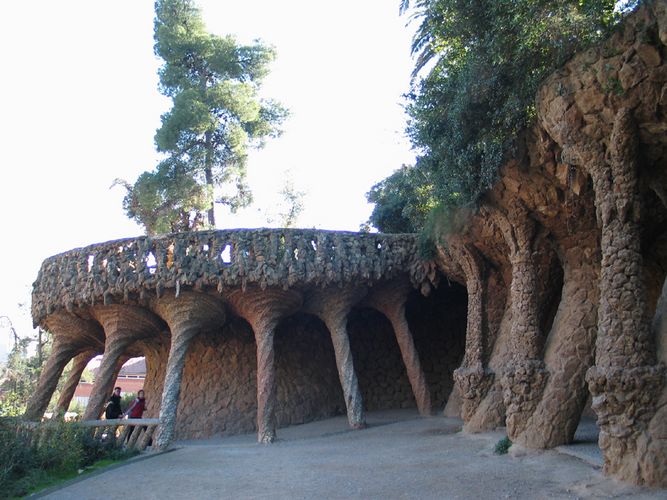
484 61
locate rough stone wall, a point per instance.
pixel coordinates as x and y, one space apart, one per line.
218 391
308 384
591 178
383 380
156 352
438 324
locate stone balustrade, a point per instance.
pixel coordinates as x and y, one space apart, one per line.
128 268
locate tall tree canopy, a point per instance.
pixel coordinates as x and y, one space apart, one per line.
216 115
485 62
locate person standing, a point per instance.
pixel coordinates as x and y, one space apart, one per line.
113 409
136 409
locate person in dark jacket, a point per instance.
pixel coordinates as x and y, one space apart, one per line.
113 409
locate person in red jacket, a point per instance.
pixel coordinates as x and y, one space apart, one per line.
136 409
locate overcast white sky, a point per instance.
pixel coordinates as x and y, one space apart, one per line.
79 107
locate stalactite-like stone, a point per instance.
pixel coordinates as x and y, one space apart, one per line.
626 383
524 379
472 378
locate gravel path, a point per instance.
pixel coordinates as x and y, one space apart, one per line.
399 456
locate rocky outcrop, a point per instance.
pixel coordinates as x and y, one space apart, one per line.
576 228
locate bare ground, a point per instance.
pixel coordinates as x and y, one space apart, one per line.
399 456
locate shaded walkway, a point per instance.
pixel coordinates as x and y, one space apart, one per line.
399 456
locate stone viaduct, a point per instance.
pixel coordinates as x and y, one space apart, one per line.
193 304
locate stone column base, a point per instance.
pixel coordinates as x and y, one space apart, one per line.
474 383
523 382
625 401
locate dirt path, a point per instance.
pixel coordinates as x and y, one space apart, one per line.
409 458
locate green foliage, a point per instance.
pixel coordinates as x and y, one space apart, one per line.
12 404
402 201
502 446
216 116
485 62
19 376
33 457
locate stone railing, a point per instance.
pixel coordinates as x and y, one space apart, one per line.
221 259
117 431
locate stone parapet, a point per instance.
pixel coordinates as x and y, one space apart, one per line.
126 270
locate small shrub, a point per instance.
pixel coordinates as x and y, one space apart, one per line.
15 451
60 447
33 458
502 446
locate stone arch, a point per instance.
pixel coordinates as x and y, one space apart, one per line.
438 325
219 384
307 378
383 379
72 336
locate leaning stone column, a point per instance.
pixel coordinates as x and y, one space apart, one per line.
625 382
264 309
71 336
80 362
187 315
123 325
570 348
472 378
332 306
61 354
524 379
390 300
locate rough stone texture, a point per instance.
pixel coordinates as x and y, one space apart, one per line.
576 226
390 299
564 264
220 376
472 378
569 352
524 378
263 309
580 213
625 382
187 315
383 380
333 307
129 270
